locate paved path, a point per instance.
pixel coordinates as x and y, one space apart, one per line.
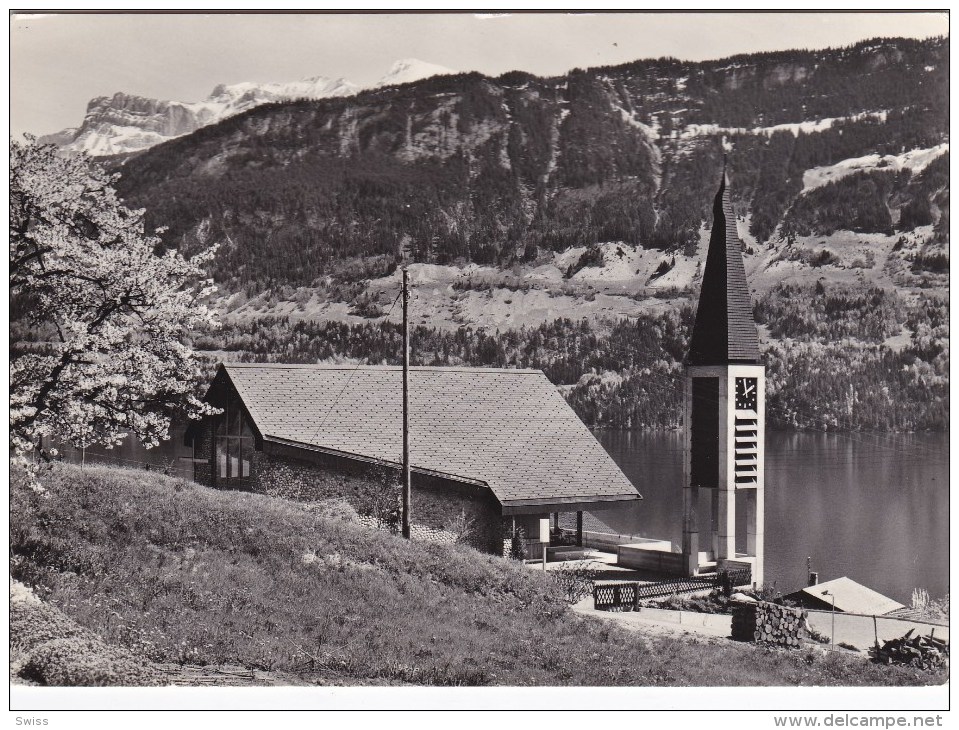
660 620
859 632
850 629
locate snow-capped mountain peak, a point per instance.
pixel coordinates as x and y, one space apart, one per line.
314 87
127 123
408 70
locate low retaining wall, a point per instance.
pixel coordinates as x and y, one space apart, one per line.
650 558
606 541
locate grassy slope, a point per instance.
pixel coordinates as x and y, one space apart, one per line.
179 572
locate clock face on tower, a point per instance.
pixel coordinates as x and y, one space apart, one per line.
746 394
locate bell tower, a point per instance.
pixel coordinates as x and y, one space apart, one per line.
725 409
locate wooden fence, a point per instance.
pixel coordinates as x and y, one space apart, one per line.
628 594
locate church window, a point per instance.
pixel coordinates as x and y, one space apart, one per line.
233 444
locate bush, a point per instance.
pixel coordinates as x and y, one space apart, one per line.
575 583
49 648
823 258
715 602
85 661
816 636
33 623
517 547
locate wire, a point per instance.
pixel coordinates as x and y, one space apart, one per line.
349 379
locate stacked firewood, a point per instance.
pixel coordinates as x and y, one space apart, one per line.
924 652
769 623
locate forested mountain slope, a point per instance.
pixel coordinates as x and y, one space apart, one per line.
497 171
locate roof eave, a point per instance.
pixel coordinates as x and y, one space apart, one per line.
564 504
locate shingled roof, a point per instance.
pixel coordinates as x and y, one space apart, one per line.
850 597
508 429
724 331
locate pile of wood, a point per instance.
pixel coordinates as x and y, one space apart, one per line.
924 652
769 623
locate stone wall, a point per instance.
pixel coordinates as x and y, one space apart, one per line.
203 449
442 510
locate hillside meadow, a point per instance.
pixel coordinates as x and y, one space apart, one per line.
176 573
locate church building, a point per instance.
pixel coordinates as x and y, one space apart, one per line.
493 451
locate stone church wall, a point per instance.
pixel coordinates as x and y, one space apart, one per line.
442 510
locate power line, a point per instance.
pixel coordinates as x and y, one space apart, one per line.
348 381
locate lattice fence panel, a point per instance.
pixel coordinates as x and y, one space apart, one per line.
627 594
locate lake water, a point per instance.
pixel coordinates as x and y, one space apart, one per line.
871 507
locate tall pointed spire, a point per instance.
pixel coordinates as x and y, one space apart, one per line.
724 331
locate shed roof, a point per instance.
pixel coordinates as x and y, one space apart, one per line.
724 331
508 429
852 597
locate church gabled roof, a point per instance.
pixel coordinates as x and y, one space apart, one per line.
724 331
510 430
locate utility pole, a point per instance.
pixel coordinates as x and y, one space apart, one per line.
832 639
406 406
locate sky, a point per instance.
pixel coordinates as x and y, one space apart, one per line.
58 62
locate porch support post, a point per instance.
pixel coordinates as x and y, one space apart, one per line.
691 529
579 529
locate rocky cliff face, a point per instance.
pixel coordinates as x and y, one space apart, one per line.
126 123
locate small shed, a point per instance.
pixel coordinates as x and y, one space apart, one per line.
496 448
850 597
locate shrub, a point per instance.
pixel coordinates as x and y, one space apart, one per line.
517 548
822 258
463 527
85 661
382 500
816 636
575 583
51 649
715 602
34 623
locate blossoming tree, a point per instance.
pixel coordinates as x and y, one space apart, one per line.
107 313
